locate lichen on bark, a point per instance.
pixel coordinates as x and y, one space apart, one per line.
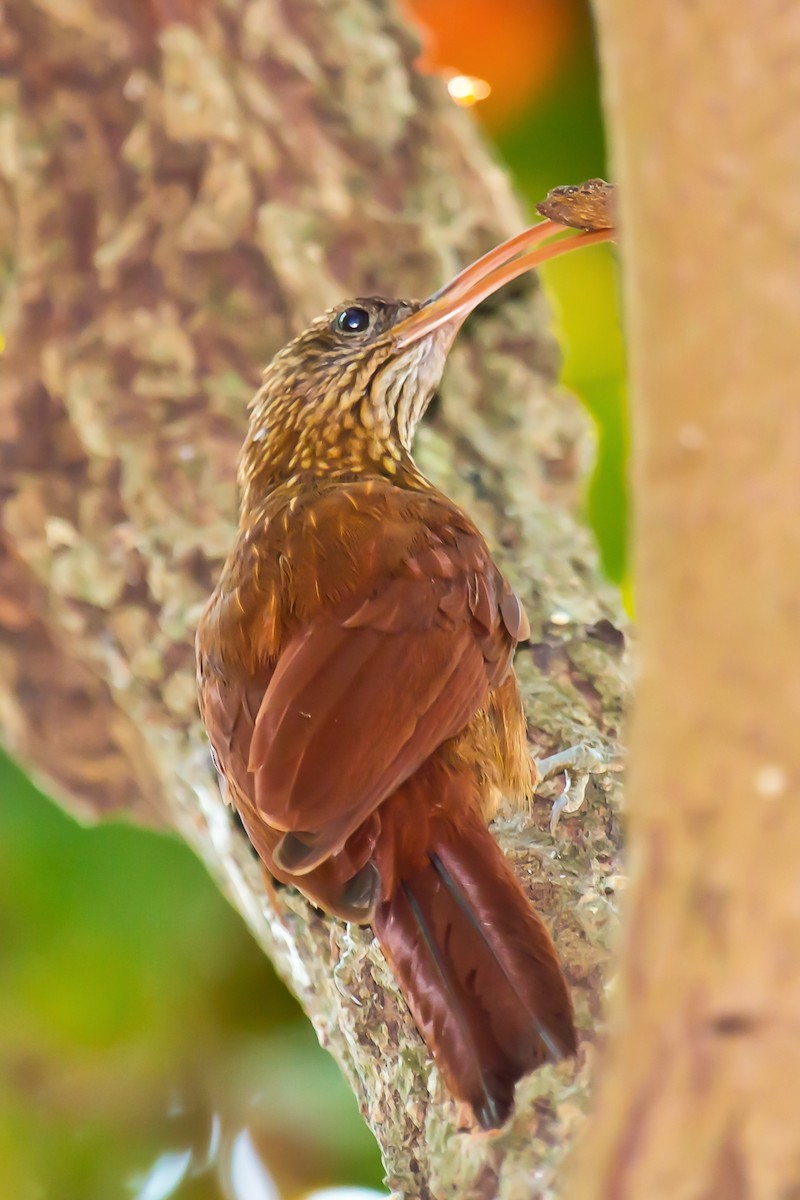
181 187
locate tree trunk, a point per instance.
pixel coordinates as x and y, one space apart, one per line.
183 185
697 1094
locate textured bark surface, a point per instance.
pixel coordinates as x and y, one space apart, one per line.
181 187
698 1092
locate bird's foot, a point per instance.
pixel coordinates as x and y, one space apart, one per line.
577 764
348 953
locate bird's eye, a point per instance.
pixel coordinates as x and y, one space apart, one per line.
353 320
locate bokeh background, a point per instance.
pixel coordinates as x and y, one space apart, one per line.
147 1049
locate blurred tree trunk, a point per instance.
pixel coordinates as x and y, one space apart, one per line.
182 185
697 1090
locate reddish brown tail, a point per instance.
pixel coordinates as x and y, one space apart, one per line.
477 968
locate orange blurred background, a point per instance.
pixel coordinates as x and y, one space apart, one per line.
516 46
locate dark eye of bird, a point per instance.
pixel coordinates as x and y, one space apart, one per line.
353 320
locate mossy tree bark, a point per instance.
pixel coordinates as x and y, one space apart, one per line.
181 186
697 1090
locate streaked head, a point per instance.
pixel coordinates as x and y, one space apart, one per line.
348 393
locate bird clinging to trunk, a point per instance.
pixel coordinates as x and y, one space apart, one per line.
356 681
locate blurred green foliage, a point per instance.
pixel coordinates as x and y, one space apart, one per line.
134 1009
137 1019
561 140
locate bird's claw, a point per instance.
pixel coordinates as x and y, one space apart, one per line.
347 955
577 763
570 799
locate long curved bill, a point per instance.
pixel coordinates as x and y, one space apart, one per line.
456 300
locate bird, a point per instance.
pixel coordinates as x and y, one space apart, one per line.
356 681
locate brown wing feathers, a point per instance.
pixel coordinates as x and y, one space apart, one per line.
349 787
331 743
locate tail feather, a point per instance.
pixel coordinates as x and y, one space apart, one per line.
468 1043
554 1050
477 968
